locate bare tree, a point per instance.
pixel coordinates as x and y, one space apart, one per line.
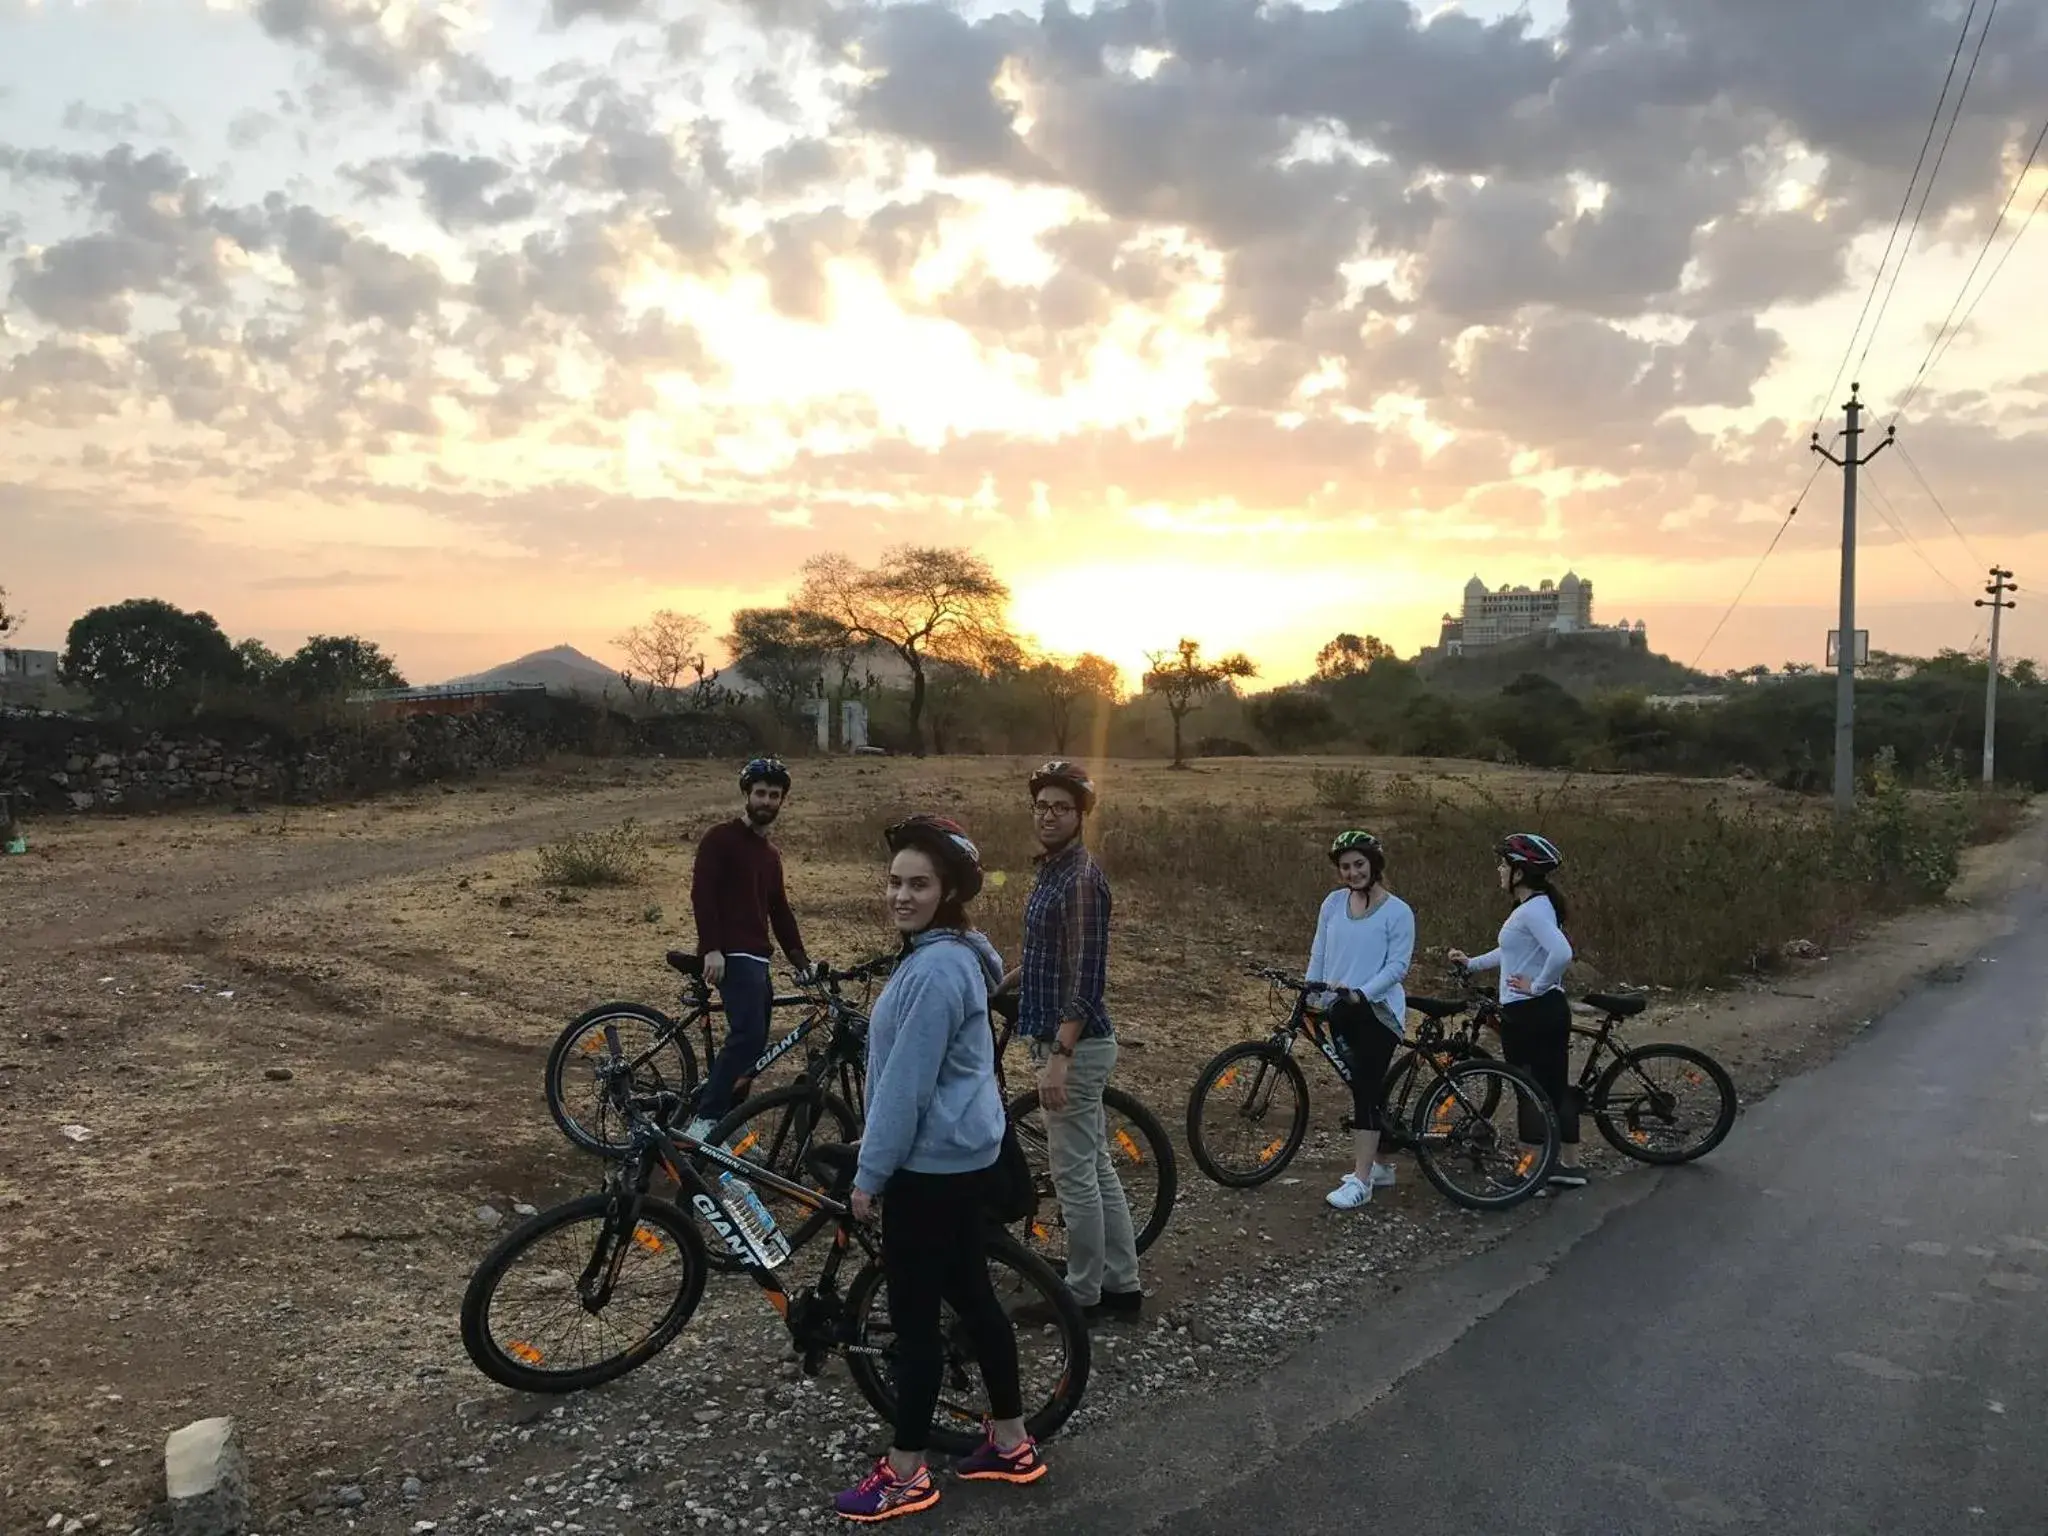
925 604
1182 678
665 656
786 652
1065 684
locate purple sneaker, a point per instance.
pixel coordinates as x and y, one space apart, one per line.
990 1464
882 1495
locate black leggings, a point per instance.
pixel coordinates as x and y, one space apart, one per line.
934 1251
1536 1035
1368 1045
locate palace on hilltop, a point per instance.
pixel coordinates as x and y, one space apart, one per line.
1548 612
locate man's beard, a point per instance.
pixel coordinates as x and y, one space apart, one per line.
763 815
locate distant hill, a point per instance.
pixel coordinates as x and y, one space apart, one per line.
561 669
1580 666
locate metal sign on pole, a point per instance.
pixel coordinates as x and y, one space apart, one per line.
1835 648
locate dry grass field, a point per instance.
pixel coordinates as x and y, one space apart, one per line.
259 1072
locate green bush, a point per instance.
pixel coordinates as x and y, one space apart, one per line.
616 856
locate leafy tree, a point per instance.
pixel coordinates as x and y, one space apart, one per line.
259 663
926 604
665 657
789 654
146 651
10 618
1065 684
1349 654
1542 723
335 666
1184 680
1293 718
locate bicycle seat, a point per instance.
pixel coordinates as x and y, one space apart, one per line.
833 1164
1618 1005
1438 1007
689 965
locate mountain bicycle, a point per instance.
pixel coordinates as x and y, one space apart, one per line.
1467 1125
1661 1103
584 1262
652 1050
1139 1149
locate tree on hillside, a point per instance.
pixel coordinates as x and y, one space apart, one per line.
335 666
786 652
10 618
1184 680
666 656
145 651
1348 654
1293 718
924 603
1065 684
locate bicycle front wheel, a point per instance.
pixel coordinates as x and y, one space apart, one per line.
1052 1349
1405 1082
1139 1151
775 1130
1248 1114
632 1038
1486 1135
569 1299
1665 1103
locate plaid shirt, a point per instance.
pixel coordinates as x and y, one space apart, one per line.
1066 947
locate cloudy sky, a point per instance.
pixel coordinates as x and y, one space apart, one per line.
483 325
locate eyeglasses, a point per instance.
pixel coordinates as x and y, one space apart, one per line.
1047 810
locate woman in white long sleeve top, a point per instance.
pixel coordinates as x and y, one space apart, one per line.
1535 1014
1365 937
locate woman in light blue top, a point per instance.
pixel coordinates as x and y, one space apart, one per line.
1365 937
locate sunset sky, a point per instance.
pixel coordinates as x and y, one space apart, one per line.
476 327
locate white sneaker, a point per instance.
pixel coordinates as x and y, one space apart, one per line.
699 1129
1350 1195
1383 1176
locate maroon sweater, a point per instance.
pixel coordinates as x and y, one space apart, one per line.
736 893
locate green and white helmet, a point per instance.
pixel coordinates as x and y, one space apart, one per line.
1358 842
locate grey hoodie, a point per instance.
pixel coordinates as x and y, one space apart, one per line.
933 1106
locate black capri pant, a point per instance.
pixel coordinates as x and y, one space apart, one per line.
1536 1035
1368 1047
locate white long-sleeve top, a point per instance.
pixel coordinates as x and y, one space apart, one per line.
1531 946
1368 954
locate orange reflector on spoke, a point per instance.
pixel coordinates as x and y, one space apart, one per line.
592 1044
1523 1164
1129 1143
1271 1150
1225 1079
648 1238
523 1352
753 1140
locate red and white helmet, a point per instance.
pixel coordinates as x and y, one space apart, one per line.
1529 850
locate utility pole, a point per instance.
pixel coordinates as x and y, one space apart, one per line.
1845 646
2001 583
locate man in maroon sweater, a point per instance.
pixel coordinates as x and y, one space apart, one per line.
737 895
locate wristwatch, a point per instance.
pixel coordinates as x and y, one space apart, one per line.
1060 1047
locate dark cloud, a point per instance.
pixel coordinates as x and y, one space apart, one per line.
381 46
470 191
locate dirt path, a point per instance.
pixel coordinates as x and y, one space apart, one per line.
304 1049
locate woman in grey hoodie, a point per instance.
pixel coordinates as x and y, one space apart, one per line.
934 1131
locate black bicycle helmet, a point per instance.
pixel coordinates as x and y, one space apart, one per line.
1071 777
764 770
948 844
1528 850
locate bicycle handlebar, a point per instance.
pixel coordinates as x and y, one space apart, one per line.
1278 977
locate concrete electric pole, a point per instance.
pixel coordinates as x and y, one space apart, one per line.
2001 583
1845 645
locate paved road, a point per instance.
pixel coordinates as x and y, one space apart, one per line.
1837 1324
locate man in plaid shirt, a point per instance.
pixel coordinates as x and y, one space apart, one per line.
1061 1014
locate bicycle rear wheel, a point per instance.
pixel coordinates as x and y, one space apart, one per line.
775 1130
1486 1136
614 1037
1405 1081
1665 1103
1247 1114
1052 1355
531 1320
1140 1152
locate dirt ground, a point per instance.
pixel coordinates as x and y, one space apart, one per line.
260 1075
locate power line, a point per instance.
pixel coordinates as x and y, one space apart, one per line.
1961 538
2003 258
1942 336
1897 524
1757 569
1899 219
1927 188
